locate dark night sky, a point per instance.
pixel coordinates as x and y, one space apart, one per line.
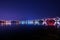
28 9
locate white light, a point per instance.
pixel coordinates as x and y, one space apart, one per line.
58 21
36 22
8 23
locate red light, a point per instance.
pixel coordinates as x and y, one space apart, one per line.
50 22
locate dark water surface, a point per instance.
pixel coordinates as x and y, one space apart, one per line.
29 32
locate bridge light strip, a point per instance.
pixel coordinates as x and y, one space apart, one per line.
45 22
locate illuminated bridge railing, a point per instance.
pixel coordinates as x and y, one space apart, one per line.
44 22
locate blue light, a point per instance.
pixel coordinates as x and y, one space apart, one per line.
22 22
30 22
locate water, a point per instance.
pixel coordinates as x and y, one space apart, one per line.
28 32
